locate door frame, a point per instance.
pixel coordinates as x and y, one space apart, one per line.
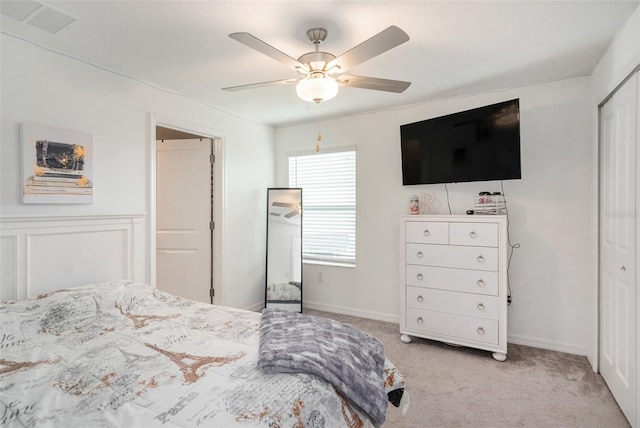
217 239
635 73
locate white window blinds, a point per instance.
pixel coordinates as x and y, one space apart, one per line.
328 182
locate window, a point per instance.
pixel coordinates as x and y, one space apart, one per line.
328 182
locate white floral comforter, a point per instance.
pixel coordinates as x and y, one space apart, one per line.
121 354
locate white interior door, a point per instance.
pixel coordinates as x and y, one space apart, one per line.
183 219
618 293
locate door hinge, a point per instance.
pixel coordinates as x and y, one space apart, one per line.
212 293
212 225
212 158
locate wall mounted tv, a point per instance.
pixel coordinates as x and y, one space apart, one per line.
481 144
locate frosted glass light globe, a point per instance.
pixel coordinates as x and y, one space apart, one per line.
317 89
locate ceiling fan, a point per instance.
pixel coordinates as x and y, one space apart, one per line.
321 72
291 210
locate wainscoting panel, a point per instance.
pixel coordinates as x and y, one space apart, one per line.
8 267
42 254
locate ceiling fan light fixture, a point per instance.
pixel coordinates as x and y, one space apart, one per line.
317 88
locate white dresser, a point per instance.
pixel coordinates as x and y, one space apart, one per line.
453 276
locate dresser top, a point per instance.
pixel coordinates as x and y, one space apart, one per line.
475 218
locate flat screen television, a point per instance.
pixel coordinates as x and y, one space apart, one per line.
481 144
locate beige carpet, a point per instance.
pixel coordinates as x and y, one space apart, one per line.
462 387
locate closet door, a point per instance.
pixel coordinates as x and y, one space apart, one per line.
617 276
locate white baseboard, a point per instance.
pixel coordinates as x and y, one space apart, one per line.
534 342
379 316
256 307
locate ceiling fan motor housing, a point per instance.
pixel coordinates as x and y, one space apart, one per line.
316 35
316 61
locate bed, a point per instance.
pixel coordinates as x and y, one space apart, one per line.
126 354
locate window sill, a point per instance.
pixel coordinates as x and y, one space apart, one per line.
327 263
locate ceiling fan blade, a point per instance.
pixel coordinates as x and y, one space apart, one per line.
375 83
265 48
374 46
284 204
291 214
260 85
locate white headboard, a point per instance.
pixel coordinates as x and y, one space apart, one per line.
46 253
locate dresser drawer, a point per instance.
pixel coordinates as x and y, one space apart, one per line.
478 234
466 280
473 305
453 256
427 232
452 325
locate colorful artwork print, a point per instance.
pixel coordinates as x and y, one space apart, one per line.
57 166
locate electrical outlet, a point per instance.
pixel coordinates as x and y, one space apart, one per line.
320 278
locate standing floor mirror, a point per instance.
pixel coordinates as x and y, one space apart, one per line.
284 249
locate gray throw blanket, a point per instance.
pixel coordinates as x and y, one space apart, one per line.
348 358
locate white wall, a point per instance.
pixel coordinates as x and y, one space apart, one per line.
620 60
47 88
552 275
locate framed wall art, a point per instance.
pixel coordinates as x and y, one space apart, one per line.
57 165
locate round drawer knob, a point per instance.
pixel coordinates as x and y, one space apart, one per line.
480 259
419 276
480 331
481 282
473 234
480 306
426 232
419 254
420 299
419 320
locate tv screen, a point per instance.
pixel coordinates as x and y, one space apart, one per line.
481 144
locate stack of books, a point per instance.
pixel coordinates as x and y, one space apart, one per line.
54 181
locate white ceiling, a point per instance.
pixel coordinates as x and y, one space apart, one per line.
456 47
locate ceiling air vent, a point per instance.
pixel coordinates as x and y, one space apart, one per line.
36 14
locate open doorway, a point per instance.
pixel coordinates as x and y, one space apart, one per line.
185 210
184 214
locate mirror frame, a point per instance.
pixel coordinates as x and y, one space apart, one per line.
296 305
